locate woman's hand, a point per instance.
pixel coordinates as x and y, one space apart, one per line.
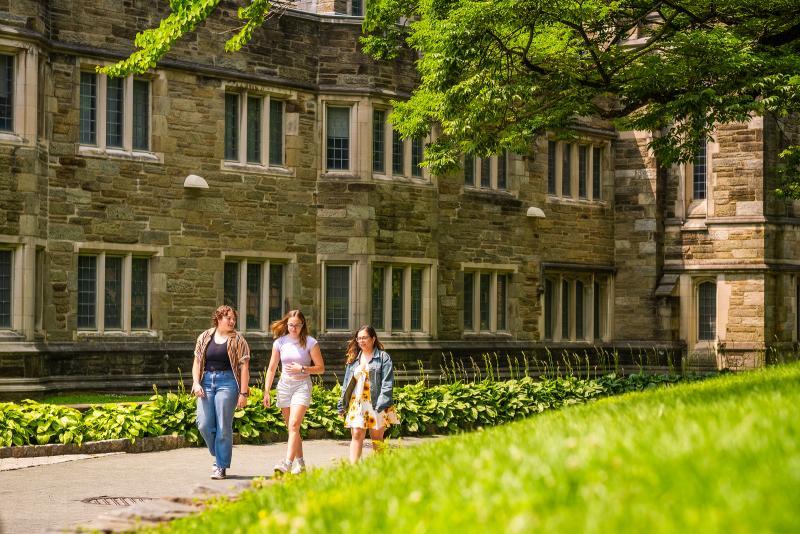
242 402
293 368
197 390
266 401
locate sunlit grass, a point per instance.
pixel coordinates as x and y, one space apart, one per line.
719 455
92 398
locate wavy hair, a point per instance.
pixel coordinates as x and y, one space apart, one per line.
279 328
221 312
352 344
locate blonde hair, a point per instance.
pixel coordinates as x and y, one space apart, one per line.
279 328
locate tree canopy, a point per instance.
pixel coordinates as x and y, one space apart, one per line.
495 74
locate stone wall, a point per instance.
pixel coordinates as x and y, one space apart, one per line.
638 238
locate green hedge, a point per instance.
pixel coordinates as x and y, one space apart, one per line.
423 409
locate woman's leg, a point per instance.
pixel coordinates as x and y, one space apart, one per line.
225 404
207 414
293 422
356 443
285 413
376 435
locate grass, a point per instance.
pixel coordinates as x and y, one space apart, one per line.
721 455
92 398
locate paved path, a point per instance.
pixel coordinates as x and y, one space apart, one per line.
49 496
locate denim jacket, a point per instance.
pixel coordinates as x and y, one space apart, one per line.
381 380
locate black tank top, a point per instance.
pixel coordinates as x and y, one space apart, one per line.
217 356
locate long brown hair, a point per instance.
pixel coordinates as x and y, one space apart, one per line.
352 345
279 327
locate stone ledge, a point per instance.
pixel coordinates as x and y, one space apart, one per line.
150 444
147 444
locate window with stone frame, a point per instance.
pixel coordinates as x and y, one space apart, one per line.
696 183
485 301
113 292
486 173
19 79
399 297
254 129
115 113
256 289
391 154
575 169
17 261
338 137
6 288
7 86
707 310
699 173
575 306
355 7
337 296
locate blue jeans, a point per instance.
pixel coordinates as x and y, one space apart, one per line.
215 414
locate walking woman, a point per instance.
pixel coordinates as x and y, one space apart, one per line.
220 381
300 358
370 406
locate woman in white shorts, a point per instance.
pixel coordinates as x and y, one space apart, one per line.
300 358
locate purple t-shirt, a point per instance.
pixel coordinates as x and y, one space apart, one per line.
291 352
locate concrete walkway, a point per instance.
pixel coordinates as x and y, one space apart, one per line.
50 495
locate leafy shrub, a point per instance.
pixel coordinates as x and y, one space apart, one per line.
446 408
116 421
33 423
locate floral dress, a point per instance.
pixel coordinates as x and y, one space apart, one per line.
361 414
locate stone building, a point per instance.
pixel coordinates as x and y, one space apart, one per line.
271 179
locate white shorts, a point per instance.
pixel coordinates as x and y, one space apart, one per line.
293 392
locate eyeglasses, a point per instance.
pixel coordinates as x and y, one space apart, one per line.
294 325
363 338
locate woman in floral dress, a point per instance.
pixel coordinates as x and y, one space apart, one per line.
370 406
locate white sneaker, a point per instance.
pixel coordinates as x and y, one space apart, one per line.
298 466
282 467
217 473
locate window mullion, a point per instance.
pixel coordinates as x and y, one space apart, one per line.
127 114
558 308
263 305
407 297
242 304
493 181
590 307
243 130
493 302
265 130
476 299
387 144
387 298
100 293
102 108
559 168
127 270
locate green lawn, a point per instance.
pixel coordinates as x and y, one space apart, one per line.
92 398
722 455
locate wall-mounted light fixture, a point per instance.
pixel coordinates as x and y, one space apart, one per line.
195 182
535 212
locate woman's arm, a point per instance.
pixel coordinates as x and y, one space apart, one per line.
316 358
387 383
271 369
341 404
244 384
197 376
